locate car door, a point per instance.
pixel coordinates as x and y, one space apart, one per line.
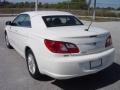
23 34
13 28
19 31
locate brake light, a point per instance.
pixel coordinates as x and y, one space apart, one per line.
61 47
108 41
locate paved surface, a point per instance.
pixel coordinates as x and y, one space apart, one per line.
14 74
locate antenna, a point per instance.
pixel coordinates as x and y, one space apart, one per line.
93 17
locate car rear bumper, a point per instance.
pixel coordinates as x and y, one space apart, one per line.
70 67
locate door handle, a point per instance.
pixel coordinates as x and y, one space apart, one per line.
16 30
10 28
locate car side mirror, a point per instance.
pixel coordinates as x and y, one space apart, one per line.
8 23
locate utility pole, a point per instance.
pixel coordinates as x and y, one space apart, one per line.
89 3
36 5
94 12
68 6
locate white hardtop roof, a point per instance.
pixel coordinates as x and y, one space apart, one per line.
46 13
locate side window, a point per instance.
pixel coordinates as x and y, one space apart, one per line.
26 22
22 20
18 20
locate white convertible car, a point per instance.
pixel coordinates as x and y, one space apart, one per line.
58 44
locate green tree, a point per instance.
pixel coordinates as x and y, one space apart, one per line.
118 8
78 4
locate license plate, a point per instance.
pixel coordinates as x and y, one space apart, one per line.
95 64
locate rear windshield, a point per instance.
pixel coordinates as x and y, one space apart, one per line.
56 21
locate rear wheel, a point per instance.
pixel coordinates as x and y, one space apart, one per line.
7 42
32 65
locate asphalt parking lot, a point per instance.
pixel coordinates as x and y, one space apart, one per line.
14 74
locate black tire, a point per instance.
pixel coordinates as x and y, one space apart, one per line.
7 42
36 74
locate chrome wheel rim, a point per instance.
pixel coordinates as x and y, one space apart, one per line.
31 64
7 42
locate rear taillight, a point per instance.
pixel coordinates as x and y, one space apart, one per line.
61 47
108 41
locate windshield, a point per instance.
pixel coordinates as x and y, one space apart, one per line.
56 21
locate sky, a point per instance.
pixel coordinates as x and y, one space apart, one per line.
100 3
107 3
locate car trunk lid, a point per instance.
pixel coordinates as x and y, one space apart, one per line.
87 41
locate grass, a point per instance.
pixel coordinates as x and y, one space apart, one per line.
100 19
102 14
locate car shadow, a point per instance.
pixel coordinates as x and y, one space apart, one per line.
43 78
91 82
